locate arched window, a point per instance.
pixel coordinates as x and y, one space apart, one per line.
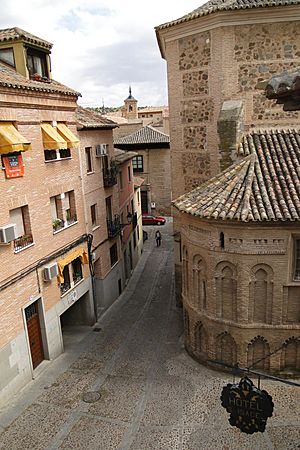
290 357
261 293
200 339
199 282
226 349
226 290
258 354
185 271
186 324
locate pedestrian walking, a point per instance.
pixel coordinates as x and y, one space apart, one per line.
158 238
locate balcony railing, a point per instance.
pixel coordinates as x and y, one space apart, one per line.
23 242
109 178
64 287
113 227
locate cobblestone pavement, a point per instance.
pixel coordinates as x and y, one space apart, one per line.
152 394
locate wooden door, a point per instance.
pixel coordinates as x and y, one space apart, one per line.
34 334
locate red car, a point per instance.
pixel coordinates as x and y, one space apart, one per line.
148 219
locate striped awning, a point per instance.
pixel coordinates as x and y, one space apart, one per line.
52 140
11 140
77 253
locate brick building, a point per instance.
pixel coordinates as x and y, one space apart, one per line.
152 163
45 281
237 234
240 240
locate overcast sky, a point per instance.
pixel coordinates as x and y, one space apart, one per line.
102 46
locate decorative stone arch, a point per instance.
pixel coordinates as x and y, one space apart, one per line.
226 349
258 354
186 325
185 271
261 294
290 355
226 290
199 282
200 340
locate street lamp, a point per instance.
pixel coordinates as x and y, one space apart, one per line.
129 220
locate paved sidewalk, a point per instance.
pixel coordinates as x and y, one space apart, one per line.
153 396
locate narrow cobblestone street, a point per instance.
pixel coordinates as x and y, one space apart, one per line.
152 394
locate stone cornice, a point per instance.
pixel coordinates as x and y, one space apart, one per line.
226 19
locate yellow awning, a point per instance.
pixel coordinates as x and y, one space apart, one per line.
67 135
78 253
11 140
52 140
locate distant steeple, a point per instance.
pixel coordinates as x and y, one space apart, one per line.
130 96
129 111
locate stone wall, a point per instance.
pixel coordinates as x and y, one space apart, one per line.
210 67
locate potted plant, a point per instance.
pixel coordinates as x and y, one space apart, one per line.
56 223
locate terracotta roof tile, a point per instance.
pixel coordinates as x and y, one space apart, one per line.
16 34
263 186
12 79
226 5
145 135
91 119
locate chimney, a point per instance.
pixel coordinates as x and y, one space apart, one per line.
230 128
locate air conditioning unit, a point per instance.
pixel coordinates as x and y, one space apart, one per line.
101 150
50 271
8 233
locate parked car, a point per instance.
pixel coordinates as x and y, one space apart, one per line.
148 219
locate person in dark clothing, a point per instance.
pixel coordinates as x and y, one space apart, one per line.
158 238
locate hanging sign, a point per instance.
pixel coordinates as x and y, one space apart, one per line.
249 407
13 165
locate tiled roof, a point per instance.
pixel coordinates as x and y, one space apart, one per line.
226 5
145 135
138 181
15 34
91 119
263 186
12 79
122 156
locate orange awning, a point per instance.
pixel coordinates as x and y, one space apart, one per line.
11 140
78 253
67 135
52 140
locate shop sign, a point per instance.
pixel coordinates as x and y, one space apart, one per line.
13 166
249 407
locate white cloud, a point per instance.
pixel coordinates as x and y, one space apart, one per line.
102 46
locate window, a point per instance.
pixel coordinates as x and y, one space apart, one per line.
113 254
137 163
20 216
88 157
56 155
7 56
94 215
72 274
129 173
63 210
297 260
37 63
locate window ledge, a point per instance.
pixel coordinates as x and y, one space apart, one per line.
73 286
65 227
19 250
56 160
95 227
90 173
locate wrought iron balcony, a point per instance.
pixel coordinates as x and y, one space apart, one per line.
113 227
110 176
